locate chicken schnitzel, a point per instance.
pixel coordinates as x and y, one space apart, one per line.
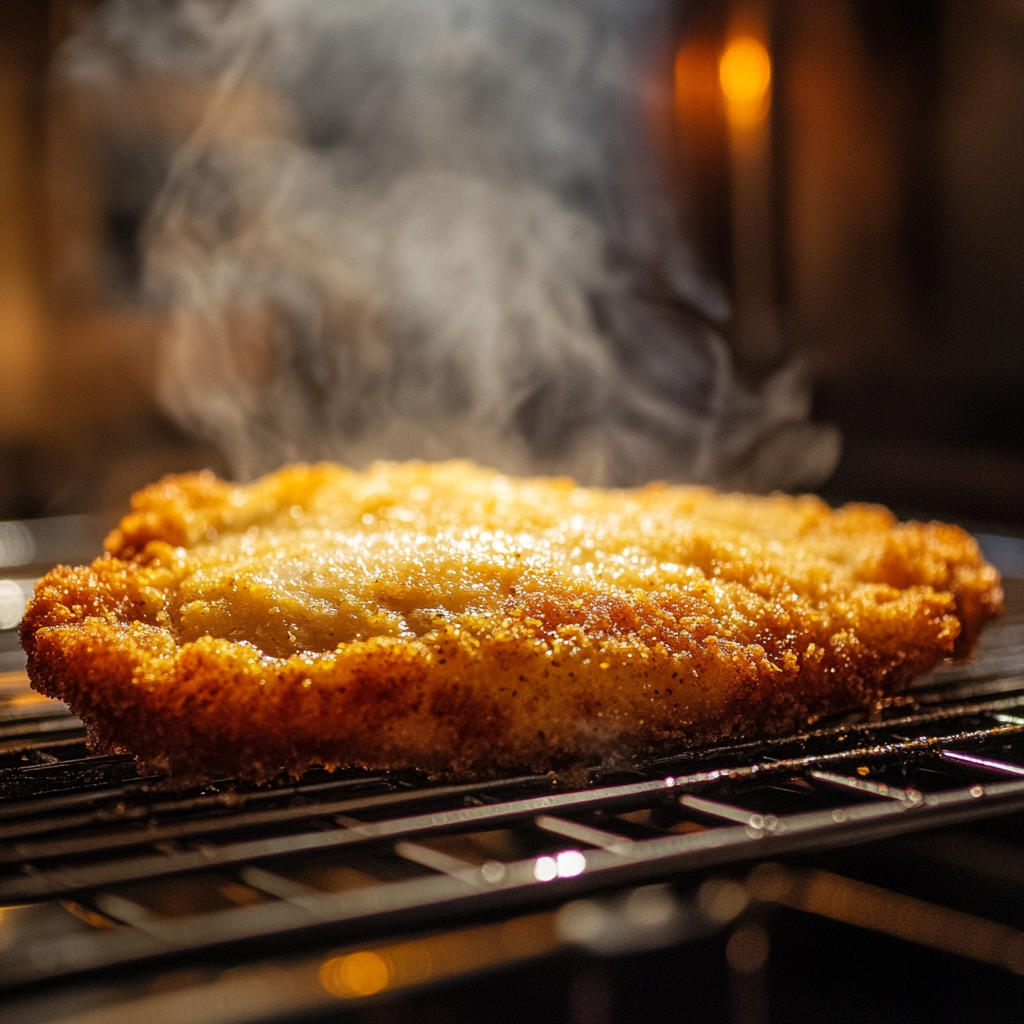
448 618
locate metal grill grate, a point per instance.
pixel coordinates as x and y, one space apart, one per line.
156 875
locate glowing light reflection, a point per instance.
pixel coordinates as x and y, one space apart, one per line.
745 74
359 974
545 869
571 863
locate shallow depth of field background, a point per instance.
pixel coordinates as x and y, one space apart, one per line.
893 249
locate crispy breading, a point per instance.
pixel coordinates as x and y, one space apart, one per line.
447 618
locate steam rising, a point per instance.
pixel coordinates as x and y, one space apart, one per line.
432 229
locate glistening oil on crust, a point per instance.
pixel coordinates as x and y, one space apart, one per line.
447 618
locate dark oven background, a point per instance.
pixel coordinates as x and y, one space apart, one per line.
889 247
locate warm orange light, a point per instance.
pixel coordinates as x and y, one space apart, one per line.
358 974
745 75
695 70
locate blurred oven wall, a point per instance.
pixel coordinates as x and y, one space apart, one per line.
897 231
897 246
79 426
903 227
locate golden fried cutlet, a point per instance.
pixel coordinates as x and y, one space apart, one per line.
447 618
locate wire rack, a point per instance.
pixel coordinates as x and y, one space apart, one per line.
148 877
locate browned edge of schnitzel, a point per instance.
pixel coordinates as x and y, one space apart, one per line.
457 707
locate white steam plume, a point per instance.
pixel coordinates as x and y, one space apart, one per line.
434 228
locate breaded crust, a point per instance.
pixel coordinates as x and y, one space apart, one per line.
446 618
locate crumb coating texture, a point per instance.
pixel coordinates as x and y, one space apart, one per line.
447 618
